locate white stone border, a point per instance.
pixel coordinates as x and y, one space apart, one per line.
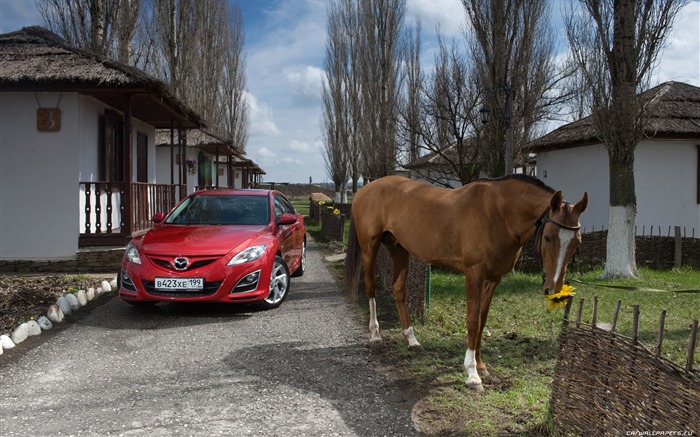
65 305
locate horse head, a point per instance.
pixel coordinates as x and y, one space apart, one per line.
558 234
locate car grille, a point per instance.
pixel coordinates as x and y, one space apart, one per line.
209 289
167 263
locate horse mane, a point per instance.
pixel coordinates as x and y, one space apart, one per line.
522 178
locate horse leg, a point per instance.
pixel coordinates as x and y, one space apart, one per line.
401 258
474 288
489 289
369 257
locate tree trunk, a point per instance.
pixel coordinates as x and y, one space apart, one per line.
620 247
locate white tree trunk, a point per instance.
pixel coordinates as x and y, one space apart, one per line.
620 261
338 197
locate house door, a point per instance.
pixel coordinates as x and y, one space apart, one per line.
141 157
205 179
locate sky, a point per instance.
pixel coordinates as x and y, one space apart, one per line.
285 46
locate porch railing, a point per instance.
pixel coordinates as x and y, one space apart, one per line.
102 221
148 199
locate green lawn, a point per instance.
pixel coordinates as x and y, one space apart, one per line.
520 344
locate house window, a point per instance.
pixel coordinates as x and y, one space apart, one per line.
112 148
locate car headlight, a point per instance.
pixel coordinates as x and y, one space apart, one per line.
248 255
132 254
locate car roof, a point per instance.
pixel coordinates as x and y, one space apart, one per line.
239 192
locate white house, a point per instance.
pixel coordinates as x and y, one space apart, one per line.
211 162
78 164
572 159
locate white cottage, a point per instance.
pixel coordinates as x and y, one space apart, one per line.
77 148
572 159
212 162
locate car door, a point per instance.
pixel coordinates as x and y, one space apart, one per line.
287 235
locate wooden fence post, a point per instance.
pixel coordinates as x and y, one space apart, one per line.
677 248
691 346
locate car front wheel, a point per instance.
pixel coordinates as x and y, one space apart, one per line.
279 285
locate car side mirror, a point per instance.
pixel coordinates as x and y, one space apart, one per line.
158 217
287 219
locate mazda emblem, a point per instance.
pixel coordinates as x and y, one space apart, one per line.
181 263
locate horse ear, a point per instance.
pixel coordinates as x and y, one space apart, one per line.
556 201
581 204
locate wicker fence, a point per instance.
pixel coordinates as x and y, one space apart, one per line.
332 218
609 384
654 251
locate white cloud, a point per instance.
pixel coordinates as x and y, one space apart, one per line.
265 153
305 85
680 61
448 14
301 146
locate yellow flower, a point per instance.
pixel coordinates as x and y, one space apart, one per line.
321 202
559 299
336 211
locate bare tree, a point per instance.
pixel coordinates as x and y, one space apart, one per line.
511 47
410 105
336 122
616 46
444 122
106 27
381 23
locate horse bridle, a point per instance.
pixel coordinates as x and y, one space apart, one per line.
539 231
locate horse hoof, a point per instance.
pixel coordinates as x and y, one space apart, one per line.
415 347
483 372
477 387
375 339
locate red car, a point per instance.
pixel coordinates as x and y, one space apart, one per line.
221 246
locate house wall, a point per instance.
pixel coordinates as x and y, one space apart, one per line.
665 183
41 202
38 187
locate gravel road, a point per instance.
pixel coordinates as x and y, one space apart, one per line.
304 369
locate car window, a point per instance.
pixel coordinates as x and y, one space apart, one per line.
221 210
282 205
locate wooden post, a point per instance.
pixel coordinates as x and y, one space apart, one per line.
617 311
580 310
594 317
677 246
635 324
127 204
660 338
691 346
567 310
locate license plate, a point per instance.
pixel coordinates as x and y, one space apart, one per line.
179 283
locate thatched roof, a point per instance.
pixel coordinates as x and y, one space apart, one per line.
438 160
34 59
673 112
201 138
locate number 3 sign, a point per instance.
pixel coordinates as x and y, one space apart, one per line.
48 119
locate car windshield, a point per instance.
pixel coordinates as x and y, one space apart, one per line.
221 210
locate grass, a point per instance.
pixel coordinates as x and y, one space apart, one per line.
519 345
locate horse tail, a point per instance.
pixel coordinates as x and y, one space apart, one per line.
352 263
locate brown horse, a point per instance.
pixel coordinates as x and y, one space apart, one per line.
478 229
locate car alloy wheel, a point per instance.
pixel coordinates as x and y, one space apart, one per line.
279 284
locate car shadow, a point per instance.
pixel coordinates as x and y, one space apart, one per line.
117 314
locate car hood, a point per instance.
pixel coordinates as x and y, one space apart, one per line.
197 240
